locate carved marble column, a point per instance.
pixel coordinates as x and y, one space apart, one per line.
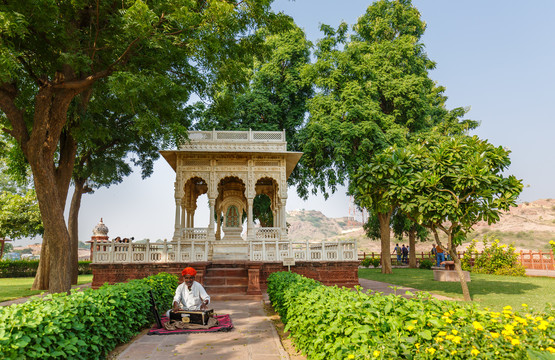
212 203
219 226
177 218
283 216
183 217
250 223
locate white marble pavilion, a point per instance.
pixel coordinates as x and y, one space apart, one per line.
231 168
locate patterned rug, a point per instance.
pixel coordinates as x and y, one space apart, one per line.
224 324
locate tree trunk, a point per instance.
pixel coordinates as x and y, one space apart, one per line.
43 272
73 227
412 249
51 183
385 233
458 268
55 231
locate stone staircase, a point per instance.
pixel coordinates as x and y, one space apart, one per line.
228 281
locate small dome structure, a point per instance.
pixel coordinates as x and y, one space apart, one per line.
100 229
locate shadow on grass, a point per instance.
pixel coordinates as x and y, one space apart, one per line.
479 285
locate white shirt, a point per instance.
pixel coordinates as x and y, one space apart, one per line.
191 299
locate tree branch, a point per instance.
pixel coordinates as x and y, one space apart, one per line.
8 93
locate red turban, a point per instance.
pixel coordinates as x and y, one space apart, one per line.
189 271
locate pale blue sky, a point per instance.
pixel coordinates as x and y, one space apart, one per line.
497 57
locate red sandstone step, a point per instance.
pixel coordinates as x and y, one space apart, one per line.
229 297
226 272
221 281
226 289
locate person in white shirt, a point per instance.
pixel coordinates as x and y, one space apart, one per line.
190 295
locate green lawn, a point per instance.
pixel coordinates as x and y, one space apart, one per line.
14 288
492 291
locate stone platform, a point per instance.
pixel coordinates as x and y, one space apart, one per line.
231 279
450 275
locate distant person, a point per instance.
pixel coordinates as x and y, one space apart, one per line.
405 253
440 255
434 252
399 253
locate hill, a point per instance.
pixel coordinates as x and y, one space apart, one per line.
530 225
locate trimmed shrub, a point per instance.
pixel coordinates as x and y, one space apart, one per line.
85 324
365 262
426 264
332 323
497 259
28 268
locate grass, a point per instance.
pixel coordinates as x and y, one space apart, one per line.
14 288
491 291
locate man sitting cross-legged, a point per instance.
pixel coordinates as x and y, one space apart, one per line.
189 295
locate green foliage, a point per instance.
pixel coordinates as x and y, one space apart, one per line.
332 323
366 262
28 268
426 264
20 215
498 259
373 90
84 325
552 244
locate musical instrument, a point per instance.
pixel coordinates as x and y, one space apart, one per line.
194 317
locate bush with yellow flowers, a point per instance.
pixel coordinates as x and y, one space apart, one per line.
496 258
332 323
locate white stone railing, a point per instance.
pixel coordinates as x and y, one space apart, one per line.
194 234
174 251
303 251
194 251
242 136
268 233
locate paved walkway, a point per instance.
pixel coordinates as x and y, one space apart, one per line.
254 337
548 273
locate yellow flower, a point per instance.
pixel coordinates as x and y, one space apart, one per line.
417 345
474 352
494 335
449 337
457 339
524 305
551 318
508 307
376 353
550 349
524 331
453 352
448 321
441 333
455 332
515 342
543 325
351 356
430 350
509 327
439 339
410 327
477 326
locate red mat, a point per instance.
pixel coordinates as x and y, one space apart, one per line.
224 324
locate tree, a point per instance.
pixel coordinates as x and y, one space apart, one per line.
454 183
19 210
275 99
53 59
373 91
373 188
402 226
110 141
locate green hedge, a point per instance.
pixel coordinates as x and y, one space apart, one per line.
28 268
332 323
84 325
